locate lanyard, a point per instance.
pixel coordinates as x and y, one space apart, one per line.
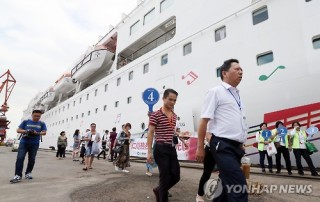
238 102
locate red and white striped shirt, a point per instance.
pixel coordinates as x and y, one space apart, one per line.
164 127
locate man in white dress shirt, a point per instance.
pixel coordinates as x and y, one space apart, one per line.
224 117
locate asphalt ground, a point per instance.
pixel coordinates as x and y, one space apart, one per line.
64 181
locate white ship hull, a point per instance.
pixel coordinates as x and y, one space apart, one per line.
288 35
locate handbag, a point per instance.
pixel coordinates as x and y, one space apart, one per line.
310 147
277 144
118 149
271 149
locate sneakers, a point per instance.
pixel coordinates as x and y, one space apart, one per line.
149 174
29 176
199 198
125 171
15 179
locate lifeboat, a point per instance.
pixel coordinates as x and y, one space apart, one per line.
48 96
94 60
64 84
35 100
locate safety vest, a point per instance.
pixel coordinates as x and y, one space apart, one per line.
261 144
296 139
276 137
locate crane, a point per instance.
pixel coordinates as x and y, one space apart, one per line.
8 84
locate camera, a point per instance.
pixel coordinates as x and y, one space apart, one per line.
30 133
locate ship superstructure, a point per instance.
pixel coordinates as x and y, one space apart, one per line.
181 45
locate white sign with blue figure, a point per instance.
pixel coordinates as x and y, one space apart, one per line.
150 96
311 131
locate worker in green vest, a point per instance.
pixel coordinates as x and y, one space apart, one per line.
299 139
281 143
263 142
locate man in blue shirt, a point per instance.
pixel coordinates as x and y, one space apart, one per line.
31 131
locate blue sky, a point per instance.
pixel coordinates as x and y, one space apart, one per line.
40 40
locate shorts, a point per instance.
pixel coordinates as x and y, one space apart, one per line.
89 152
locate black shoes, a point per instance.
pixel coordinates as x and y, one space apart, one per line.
156 193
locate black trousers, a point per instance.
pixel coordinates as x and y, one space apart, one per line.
304 153
169 169
208 166
285 152
103 152
61 151
228 154
113 154
263 154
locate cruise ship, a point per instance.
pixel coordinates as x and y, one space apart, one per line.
181 44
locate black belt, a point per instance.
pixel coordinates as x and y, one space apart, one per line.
164 144
232 142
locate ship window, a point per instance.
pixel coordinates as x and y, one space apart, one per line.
105 88
67 120
74 103
88 96
62 121
134 27
104 107
80 99
71 118
149 16
187 49
59 122
78 116
116 104
316 42
82 115
220 33
264 58
260 15
130 75
165 4
68 106
129 99
63 108
146 68
308 0
164 59
151 40
96 92
96 110
118 81
218 72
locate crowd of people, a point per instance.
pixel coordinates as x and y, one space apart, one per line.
294 140
222 132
